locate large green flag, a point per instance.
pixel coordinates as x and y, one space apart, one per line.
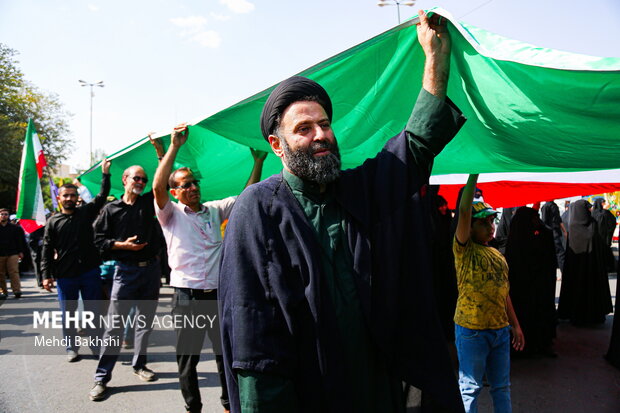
529 109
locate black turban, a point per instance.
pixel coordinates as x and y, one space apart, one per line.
293 89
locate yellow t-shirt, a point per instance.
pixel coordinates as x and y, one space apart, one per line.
482 280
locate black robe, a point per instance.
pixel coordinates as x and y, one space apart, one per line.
276 316
584 296
501 235
444 272
613 354
606 223
530 253
550 215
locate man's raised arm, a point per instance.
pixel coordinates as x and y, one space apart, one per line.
257 169
104 190
177 139
435 41
435 120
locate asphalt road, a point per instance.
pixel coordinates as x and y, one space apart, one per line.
578 381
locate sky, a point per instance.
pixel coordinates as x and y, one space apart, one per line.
169 61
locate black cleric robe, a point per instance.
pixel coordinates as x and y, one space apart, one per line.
276 314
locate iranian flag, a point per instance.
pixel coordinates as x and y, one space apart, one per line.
30 209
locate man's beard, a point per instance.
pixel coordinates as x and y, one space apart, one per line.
69 206
303 164
137 191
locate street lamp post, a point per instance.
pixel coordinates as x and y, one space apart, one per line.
92 95
397 3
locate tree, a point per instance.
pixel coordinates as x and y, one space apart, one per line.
19 101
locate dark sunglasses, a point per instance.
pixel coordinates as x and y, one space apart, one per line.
188 185
139 178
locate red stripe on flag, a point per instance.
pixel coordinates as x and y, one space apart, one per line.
29 225
505 194
41 163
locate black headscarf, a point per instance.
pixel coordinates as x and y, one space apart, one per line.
550 214
581 227
525 225
598 204
605 220
293 89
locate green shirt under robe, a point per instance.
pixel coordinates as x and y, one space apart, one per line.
375 391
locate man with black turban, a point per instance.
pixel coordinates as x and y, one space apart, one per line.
326 292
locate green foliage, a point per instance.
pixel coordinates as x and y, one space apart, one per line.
19 101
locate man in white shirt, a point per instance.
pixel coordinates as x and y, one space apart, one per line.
194 239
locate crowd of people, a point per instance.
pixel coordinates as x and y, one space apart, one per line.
332 288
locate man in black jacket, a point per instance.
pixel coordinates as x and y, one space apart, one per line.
128 233
12 247
70 256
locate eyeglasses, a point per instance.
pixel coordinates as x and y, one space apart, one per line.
188 185
140 178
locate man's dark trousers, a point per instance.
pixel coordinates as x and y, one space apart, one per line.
134 284
69 289
201 307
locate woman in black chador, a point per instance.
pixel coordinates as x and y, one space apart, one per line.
585 297
606 226
501 235
613 354
550 215
530 253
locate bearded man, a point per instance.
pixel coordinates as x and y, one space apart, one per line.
325 285
70 257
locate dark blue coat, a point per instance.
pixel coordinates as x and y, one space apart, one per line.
276 315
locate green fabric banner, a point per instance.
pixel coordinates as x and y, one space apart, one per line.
529 109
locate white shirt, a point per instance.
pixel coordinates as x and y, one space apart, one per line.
194 241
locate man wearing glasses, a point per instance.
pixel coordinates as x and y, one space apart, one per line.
127 232
194 239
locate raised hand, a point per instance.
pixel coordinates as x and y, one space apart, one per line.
433 35
435 41
179 135
159 147
258 155
105 165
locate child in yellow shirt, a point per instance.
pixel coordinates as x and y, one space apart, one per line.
484 311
